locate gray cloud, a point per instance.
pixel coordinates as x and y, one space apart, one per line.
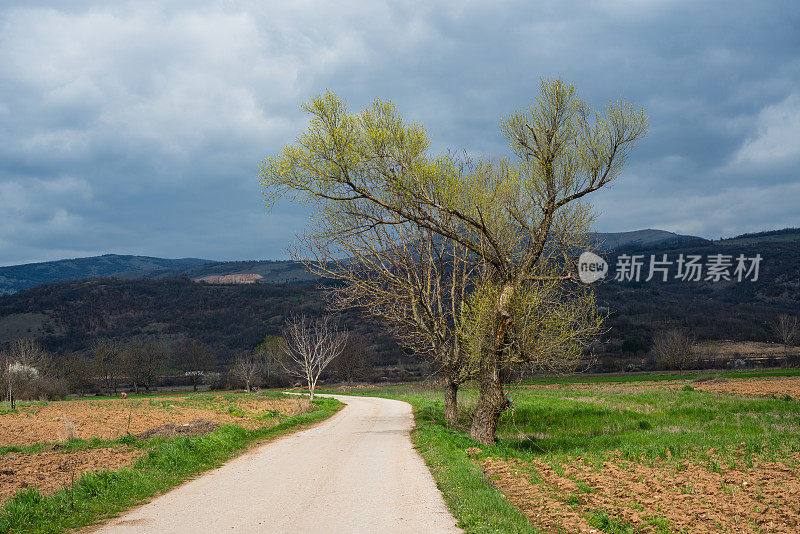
137 128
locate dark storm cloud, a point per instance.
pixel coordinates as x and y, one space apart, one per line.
137 128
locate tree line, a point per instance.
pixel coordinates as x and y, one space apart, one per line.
307 348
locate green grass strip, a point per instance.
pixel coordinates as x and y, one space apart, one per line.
478 506
97 496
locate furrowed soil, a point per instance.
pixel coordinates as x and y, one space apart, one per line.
112 418
623 496
50 471
762 387
144 417
766 387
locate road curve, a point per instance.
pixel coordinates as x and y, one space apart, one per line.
357 472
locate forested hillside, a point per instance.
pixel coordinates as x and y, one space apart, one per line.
68 316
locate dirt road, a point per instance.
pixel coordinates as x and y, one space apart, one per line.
355 473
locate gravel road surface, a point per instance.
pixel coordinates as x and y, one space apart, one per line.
357 472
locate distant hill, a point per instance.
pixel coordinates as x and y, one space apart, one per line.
276 272
69 315
18 277
615 240
772 236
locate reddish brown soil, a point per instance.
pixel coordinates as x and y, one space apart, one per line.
111 418
764 498
50 471
765 387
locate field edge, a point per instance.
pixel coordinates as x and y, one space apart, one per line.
99 496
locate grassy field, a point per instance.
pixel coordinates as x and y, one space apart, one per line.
652 453
142 466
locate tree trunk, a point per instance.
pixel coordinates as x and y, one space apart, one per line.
491 401
451 402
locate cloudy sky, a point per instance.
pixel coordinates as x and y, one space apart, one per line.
137 127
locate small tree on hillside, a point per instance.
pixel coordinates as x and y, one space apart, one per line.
673 349
311 344
787 330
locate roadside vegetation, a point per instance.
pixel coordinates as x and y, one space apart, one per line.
656 455
160 460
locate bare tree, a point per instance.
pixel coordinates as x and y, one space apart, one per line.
24 363
787 330
246 368
311 344
354 360
194 358
143 360
271 353
523 217
414 280
76 371
673 349
106 358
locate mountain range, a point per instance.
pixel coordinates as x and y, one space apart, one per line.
128 297
19 277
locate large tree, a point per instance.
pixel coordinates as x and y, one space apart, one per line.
412 278
523 217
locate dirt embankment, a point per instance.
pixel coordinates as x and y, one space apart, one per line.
50 471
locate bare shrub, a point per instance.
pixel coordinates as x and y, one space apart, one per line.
246 369
673 349
787 330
